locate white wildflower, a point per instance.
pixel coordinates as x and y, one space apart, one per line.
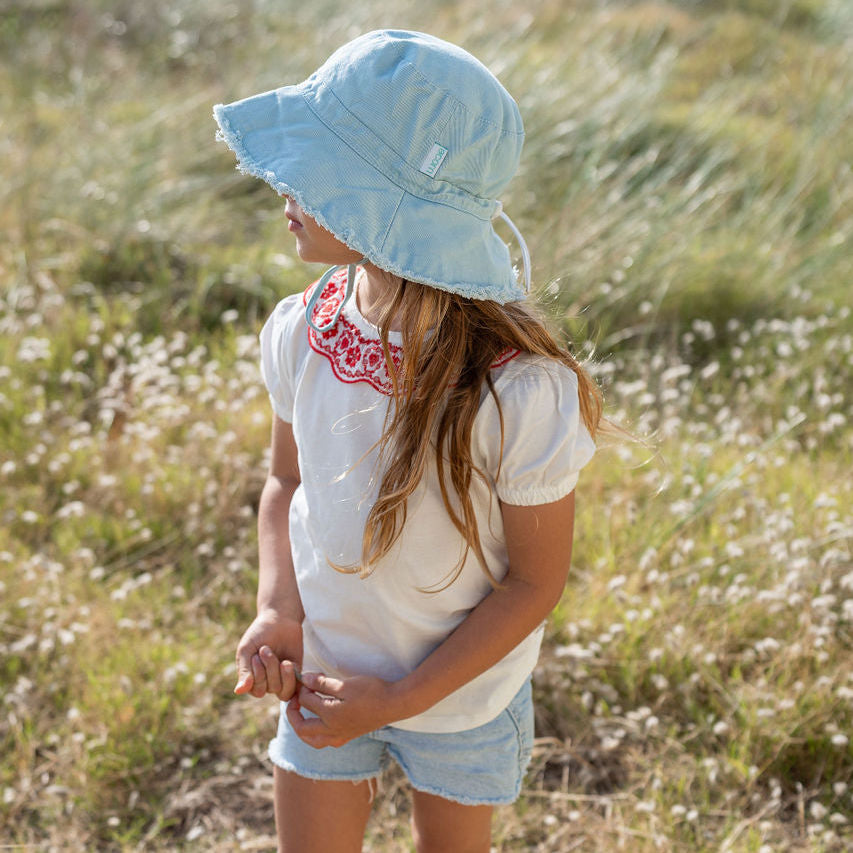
74 509
817 811
710 370
33 349
660 682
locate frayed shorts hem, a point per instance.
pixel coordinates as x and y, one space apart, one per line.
289 767
461 799
355 778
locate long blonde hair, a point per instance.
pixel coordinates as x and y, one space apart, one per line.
449 343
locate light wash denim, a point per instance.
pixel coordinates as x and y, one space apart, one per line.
399 144
481 766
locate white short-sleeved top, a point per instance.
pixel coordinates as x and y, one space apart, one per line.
334 389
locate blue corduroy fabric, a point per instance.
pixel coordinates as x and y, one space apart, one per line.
400 145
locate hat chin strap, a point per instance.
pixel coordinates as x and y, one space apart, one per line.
321 286
525 254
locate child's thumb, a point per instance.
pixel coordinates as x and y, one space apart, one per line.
245 679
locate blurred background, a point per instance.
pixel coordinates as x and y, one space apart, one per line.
687 195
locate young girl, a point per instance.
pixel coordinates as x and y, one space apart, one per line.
415 528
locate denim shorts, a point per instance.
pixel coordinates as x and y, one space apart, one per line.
480 766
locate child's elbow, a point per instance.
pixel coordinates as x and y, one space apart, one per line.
556 585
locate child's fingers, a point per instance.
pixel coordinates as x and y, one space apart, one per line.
259 673
289 680
314 703
293 712
320 683
317 703
271 669
308 729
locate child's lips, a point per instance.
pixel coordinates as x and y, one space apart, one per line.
294 224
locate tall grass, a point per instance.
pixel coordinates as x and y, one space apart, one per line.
687 192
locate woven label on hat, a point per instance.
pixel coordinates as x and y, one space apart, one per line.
433 159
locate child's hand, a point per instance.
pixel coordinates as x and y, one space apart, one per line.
269 675
345 709
268 656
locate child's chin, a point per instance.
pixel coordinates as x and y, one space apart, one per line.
305 253
311 256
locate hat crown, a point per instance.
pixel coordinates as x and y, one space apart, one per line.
438 108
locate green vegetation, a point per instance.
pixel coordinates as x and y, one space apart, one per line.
687 193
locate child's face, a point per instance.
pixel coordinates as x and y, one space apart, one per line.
314 243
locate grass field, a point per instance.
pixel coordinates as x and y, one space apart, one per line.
686 190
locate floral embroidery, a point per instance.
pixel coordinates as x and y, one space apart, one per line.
353 356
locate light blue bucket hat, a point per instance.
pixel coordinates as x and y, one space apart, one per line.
400 145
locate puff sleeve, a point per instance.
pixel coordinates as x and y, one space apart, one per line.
545 441
277 356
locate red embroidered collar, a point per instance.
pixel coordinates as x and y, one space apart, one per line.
356 355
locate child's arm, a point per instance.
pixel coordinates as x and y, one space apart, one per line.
272 644
539 545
